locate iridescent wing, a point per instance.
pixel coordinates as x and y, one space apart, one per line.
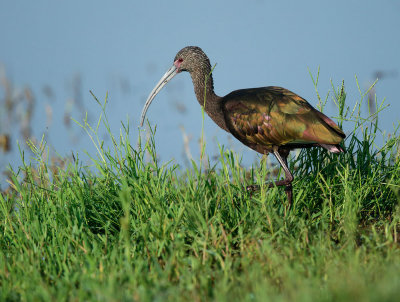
274 116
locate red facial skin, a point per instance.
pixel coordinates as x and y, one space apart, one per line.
177 64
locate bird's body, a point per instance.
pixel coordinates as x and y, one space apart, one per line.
266 119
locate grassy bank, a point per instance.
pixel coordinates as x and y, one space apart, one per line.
132 228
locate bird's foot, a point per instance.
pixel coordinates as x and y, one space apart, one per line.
289 194
252 188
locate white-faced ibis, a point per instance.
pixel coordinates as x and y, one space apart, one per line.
266 119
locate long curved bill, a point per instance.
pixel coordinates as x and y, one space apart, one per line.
164 80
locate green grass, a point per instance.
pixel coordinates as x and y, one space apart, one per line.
132 228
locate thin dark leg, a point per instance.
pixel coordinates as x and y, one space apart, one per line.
281 156
288 177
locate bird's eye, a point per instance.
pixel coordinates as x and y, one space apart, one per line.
180 60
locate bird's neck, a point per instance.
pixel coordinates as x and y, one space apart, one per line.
204 88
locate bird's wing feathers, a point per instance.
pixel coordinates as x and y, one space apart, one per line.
276 116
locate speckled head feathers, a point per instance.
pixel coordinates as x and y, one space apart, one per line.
192 58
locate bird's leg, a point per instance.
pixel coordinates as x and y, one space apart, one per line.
281 155
288 177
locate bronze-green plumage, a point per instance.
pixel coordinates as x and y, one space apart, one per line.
266 119
275 116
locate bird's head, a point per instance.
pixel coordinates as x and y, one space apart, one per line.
188 59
